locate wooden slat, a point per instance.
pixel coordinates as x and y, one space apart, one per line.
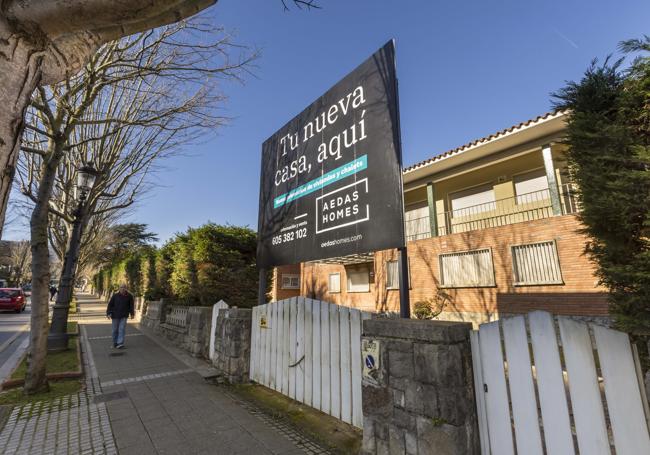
316 354
355 367
309 355
550 384
479 393
286 343
335 363
273 361
496 398
300 351
586 401
325 357
346 378
279 342
622 391
293 326
267 346
522 390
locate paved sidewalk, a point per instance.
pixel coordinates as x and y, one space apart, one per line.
158 404
145 399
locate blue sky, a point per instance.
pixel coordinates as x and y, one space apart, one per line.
465 69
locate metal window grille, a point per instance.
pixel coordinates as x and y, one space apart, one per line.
290 281
536 263
467 269
334 285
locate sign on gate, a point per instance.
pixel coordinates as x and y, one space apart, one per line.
331 182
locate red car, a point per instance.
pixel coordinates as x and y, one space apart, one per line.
12 299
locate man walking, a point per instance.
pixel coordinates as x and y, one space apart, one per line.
119 307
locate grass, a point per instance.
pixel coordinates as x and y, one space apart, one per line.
55 362
339 436
57 389
73 327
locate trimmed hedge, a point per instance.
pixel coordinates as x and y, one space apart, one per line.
198 267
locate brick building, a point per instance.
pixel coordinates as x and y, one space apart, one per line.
491 229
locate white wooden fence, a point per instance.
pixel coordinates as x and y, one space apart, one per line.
310 351
589 389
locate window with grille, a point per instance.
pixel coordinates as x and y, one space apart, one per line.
467 269
334 283
358 281
536 263
290 281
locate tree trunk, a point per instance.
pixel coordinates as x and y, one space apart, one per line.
35 380
20 72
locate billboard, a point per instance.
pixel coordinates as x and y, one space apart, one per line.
331 182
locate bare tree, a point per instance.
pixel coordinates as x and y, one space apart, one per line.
43 42
137 100
20 260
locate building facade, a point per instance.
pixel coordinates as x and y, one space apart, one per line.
491 229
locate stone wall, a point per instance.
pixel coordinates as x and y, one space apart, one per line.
233 344
192 334
420 399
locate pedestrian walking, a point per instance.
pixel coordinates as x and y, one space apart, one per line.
120 306
53 291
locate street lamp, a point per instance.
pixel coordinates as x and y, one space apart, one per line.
57 339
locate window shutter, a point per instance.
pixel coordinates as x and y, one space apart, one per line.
536 263
467 269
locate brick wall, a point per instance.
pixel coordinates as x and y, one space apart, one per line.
277 293
579 295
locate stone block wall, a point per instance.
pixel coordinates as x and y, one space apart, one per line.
193 337
421 400
233 344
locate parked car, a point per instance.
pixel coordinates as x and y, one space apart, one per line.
27 289
12 299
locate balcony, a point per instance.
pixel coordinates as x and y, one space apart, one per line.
523 207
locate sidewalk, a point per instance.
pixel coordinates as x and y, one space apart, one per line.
157 403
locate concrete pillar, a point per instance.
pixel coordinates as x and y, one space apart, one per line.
418 392
433 216
552 181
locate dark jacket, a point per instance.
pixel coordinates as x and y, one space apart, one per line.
120 306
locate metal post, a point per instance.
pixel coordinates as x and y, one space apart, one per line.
261 293
404 300
57 339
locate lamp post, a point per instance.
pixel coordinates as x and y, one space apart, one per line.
57 339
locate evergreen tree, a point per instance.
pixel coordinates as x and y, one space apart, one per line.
609 158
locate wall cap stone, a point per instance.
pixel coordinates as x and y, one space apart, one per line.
418 330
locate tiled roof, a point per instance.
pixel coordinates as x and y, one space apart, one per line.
485 139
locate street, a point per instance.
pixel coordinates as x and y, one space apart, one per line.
14 338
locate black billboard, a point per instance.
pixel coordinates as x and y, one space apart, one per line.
331 182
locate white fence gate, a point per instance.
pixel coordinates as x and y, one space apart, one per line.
590 395
310 351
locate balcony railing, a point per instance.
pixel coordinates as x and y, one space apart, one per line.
523 207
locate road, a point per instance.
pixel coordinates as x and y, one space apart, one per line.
14 337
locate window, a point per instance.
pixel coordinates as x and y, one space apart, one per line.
358 281
290 281
531 186
417 223
392 275
467 269
334 283
473 200
536 263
